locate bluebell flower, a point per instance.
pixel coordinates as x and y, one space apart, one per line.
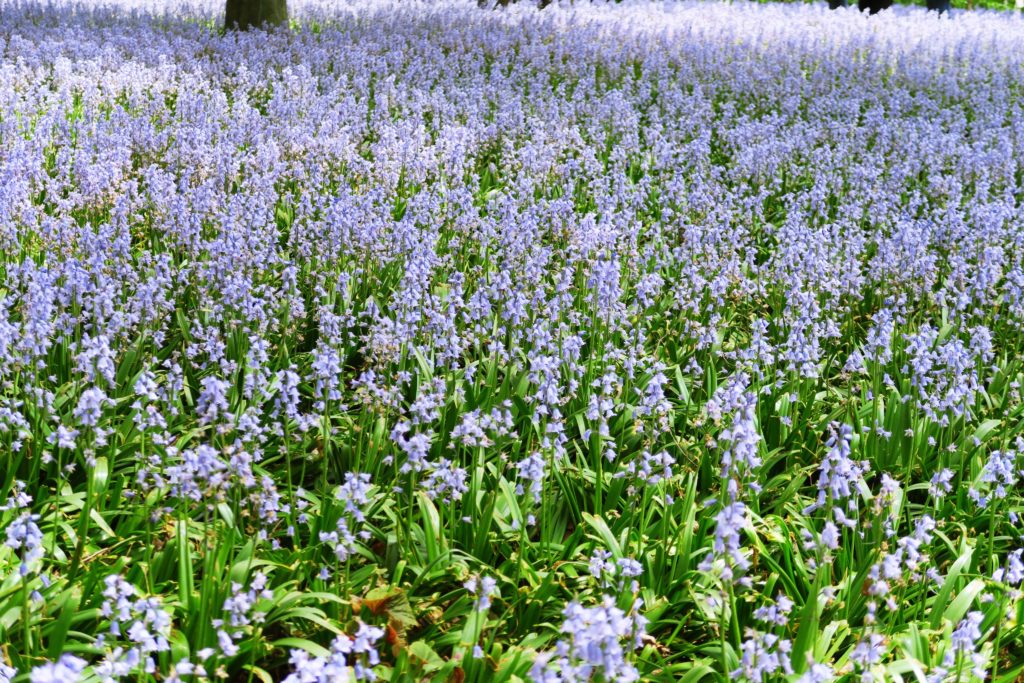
25 538
349 658
597 641
484 588
67 669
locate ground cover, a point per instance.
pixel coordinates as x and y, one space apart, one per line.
612 342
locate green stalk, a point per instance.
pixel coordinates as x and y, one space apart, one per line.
723 627
83 529
26 615
1000 616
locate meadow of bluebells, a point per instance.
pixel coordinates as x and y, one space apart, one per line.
612 342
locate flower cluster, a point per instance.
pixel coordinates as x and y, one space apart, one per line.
483 589
597 642
241 613
350 658
699 302
140 629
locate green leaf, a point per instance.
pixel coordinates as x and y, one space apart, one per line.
697 674
392 603
808 630
948 585
59 631
601 528
958 608
185 570
99 473
430 661
259 673
302 644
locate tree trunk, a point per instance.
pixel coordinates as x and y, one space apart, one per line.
246 14
873 6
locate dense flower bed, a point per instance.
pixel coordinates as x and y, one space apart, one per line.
612 342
